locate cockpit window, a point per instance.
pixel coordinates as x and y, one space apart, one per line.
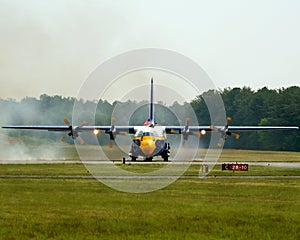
139 134
148 131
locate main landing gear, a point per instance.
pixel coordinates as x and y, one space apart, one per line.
147 159
166 153
165 157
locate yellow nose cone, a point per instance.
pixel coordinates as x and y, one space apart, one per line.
147 145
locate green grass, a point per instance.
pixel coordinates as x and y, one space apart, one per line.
252 171
209 208
233 155
42 169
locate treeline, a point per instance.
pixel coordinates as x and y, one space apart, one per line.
244 105
264 107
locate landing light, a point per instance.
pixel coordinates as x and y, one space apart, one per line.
96 131
203 132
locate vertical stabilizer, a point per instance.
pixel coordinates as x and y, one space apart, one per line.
151 117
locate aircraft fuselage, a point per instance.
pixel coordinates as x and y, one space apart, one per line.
148 142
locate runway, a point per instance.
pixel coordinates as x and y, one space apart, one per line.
197 162
141 176
137 177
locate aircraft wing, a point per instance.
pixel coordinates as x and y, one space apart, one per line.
185 129
260 128
73 131
169 129
182 129
49 128
117 129
129 129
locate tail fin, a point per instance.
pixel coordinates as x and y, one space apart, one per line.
151 117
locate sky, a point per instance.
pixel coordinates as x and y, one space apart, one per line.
52 46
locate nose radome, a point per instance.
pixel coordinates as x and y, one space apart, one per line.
147 146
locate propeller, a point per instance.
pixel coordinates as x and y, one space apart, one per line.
237 136
186 131
73 131
224 132
112 132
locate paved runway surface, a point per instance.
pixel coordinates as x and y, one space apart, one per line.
42 161
273 164
141 177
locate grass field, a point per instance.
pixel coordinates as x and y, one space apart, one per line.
231 155
208 208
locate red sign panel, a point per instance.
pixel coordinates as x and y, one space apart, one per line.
239 167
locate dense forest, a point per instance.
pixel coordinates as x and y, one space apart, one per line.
245 106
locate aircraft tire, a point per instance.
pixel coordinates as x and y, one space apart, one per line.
165 157
133 159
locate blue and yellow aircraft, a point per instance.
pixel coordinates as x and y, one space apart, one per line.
150 139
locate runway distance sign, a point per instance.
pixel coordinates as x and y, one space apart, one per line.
235 166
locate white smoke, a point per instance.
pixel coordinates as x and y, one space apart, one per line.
14 150
16 145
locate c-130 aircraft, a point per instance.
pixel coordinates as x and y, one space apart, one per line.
150 139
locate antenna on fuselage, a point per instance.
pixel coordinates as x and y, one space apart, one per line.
151 117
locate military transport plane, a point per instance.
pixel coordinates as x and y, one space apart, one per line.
150 139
